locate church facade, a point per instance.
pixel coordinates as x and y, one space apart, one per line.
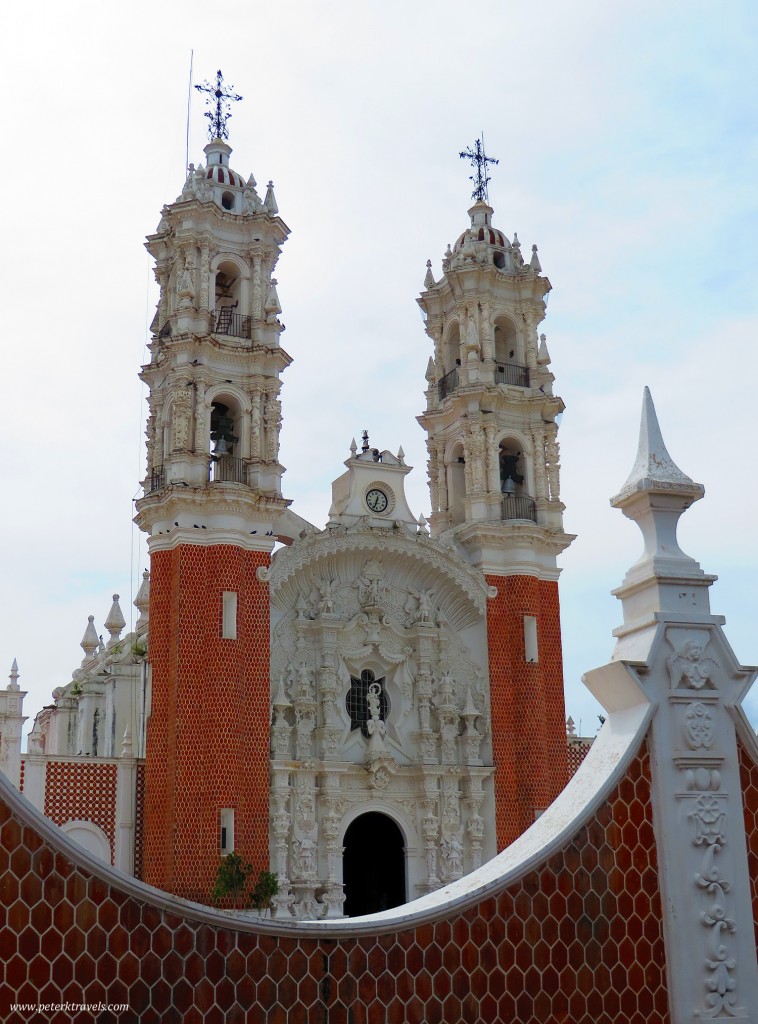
372 708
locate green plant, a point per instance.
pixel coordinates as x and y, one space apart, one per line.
231 878
264 891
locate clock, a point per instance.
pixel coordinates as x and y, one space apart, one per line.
377 500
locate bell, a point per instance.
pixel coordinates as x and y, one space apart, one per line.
509 487
221 447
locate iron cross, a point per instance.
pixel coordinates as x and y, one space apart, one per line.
222 113
479 159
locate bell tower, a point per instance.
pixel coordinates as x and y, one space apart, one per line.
491 423
212 497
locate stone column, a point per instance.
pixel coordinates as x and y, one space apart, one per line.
126 786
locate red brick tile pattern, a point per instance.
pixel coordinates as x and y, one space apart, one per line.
528 710
576 754
578 940
208 733
81 790
749 779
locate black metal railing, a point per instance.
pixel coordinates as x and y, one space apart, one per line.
448 383
511 373
157 478
228 470
234 324
519 506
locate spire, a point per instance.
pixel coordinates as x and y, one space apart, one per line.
534 262
13 684
429 281
115 622
543 356
654 496
653 466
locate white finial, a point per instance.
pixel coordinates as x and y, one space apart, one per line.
126 747
429 281
251 182
653 465
430 371
90 640
270 201
13 684
272 300
400 455
543 356
448 252
115 622
534 262
142 601
469 710
422 529
353 448
570 727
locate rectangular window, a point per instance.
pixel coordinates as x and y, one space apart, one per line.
530 639
229 615
227 830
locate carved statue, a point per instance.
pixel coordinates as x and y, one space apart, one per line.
304 857
688 666
326 598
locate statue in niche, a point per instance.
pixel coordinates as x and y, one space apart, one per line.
688 667
303 681
447 688
452 856
304 857
326 596
425 611
369 584
376 728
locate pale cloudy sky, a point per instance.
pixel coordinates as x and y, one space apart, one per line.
628 152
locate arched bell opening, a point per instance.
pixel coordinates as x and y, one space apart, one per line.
514 476
224 441
229 293
509 358
373 865
456 485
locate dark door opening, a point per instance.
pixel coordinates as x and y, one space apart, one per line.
373 865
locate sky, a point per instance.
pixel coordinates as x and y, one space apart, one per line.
626 135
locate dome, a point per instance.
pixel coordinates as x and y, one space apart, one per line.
482 234
224 176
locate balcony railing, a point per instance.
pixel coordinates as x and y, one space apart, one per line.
228 470
448 383
157 478
519 506
511 373
234 324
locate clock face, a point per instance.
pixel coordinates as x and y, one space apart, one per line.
377 500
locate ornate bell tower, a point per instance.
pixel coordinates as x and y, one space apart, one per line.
494 481
212 497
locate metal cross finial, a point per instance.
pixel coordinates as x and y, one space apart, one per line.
221 114
479 159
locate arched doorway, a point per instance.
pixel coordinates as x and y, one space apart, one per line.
373 865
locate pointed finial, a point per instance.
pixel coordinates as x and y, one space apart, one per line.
270 201
653 465
126 747
353 448
251 182
534 262
570 727
422 528
142 601
430 371
400 455
429 281
448 252
115 622
13 684
470 709
90 641
543 356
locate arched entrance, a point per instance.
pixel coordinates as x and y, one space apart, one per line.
373 865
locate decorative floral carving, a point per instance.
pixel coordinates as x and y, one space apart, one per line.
698 726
